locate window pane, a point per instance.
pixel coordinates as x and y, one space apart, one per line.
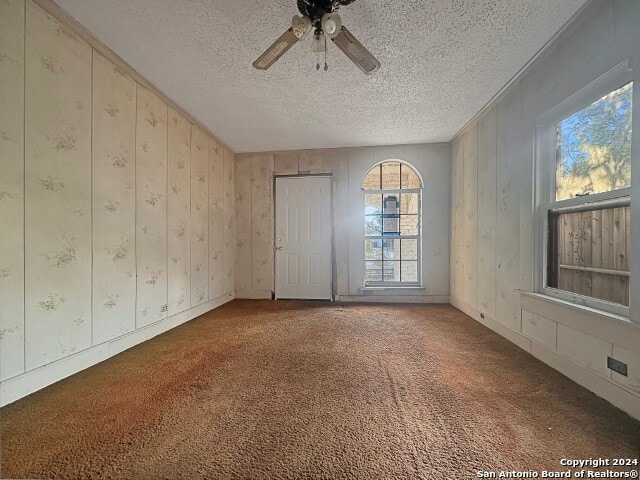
373 272
373 225
409 250
372 204
372 180
391 176
391 203
409 225
391 249
390 216
373 249
408 178
594 147
589 253
409 271
391 271
409 203
390 226
390 208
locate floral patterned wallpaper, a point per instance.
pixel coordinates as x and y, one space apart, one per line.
11 187
254 217
228 255
261 223
179 217
217 210
114 201
199 216
57 190
151 207
128 207
243 222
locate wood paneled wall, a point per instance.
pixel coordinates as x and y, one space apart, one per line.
199 216
151 208
117 211
255 216
179 212
57 190
492 243
218 206
12 188
114 200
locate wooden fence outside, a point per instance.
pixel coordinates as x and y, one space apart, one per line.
594 250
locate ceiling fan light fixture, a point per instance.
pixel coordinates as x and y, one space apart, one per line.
320 16
331 24
319 43
301 26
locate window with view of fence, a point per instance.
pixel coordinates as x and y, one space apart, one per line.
589 253
584 184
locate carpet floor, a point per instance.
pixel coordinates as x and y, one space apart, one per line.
261 389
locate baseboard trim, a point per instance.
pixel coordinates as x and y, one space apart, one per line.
254 294
600 386
29 382
501 329
393 298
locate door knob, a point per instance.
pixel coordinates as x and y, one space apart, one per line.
278 248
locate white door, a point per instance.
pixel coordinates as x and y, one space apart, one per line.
303 237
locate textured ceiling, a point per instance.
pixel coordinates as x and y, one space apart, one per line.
442 61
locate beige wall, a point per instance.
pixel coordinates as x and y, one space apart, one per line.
255 217
492 212
119 207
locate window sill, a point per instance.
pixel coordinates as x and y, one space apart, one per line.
592 304
577 307
614 328
392 290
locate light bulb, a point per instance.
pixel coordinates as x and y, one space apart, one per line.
330 27
331 24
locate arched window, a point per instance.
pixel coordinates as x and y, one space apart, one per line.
392 213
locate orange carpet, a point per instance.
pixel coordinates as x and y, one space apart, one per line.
261 389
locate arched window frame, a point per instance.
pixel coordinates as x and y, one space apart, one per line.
397 269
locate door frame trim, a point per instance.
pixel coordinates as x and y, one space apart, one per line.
332 226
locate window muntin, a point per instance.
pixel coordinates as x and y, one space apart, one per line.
392 176
589 203
594 147
392 224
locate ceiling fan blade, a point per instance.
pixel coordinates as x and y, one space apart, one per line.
353 49
287 40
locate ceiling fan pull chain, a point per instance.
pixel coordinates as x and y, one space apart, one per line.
326 67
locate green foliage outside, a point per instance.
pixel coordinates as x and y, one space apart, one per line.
595 147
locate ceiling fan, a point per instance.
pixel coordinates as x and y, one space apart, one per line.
322 17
